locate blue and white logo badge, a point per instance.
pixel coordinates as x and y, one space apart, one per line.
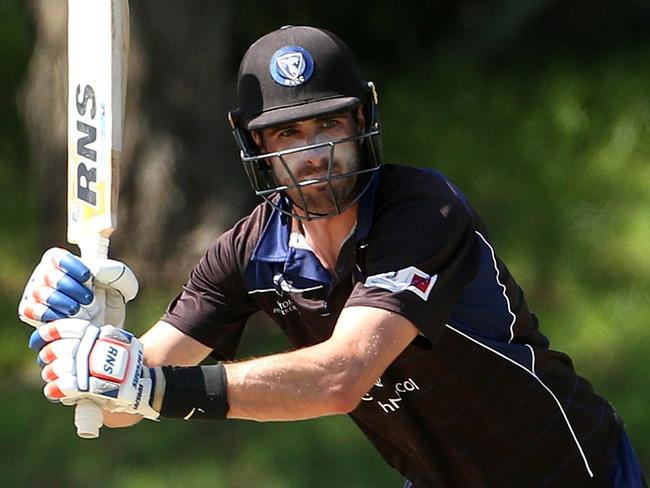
291 66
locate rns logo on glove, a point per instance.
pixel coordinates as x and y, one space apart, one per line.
109 361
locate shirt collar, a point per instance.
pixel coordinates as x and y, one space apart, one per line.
273 246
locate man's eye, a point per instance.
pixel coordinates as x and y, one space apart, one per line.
287 132
329 123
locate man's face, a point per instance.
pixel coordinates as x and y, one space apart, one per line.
314 163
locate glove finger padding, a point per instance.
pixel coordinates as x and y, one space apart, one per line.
56 290
60 287
59 329
59 368
56 300
62 388
61 348
67 262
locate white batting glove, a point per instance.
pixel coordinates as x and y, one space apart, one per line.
61 287
104 364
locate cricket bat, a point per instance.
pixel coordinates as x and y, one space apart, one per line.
98 40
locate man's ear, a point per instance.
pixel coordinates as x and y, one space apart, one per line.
361 119
257 139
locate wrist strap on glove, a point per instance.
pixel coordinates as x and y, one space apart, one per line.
196 393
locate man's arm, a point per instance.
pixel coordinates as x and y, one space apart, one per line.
324 379
165 345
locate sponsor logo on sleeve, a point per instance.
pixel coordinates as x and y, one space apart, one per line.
408 279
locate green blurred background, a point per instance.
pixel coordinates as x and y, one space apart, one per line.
538 110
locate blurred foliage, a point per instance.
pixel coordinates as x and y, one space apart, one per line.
16 212
553 152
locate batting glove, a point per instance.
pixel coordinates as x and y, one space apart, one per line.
61 286
104 364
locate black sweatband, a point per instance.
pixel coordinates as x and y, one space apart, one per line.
196 393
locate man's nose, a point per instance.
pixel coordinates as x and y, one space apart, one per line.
318 156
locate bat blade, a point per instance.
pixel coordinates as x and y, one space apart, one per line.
98 34
97 54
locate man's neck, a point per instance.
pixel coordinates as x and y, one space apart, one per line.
326 236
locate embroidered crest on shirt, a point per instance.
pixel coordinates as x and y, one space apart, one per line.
282 286
410 279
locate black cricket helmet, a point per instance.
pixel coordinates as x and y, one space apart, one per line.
297 73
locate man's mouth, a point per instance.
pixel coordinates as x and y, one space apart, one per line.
314 180
319 179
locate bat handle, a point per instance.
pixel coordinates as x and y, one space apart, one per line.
88 416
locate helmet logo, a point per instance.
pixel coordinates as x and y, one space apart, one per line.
291 66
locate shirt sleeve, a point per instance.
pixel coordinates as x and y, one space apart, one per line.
421 254
214 304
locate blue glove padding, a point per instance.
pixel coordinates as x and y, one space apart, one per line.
61 287
104 364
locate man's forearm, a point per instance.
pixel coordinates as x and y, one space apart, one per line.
288 386
297 385
324 379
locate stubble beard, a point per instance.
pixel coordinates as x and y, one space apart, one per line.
320 199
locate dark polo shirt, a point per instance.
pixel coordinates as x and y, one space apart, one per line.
478 398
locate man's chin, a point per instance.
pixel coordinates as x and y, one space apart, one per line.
321 207
323 198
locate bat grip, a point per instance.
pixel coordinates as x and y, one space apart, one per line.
88 416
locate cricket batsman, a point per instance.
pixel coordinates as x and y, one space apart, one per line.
383 277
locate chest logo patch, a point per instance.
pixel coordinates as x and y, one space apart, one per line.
408 279
282 286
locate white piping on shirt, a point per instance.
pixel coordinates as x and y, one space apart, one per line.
532 358
532 373
266 290
496 268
